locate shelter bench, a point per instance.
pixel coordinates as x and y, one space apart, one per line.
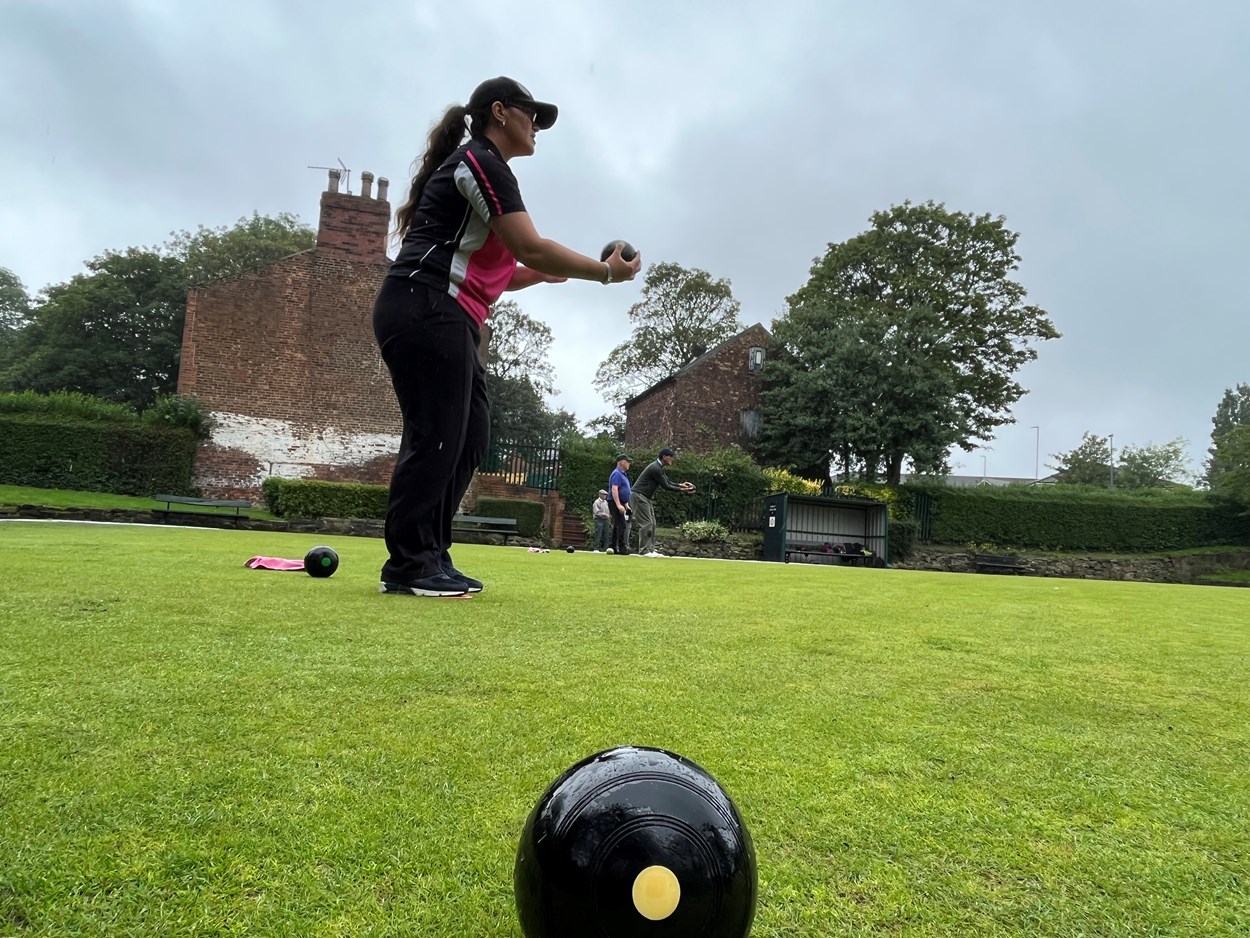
238 504
808 553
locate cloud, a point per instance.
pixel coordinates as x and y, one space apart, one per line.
740 138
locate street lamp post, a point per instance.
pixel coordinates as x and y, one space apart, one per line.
1111 457
1037 449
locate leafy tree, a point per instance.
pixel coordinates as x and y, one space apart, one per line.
116 331
14 311
113 333
519 412
904 341
1087 464
682 314
14 301
609 426
1154 466
1233 411
883 387
1134 467
520 347
519 378
1233 481
210 254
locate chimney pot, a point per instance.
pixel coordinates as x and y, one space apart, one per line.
334 180
366 185
383 182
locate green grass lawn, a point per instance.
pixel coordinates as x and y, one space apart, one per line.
63 498
189 747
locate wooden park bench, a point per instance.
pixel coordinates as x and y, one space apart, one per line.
1005 562
484 525
238 504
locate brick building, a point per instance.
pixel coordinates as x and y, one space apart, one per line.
714 400
285 360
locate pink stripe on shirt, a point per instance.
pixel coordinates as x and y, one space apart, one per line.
485 181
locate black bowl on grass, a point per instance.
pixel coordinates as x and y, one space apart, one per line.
635 841
321 562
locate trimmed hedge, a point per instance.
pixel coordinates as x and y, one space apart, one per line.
51 450
528 514
902 538
1078 518
585 465
309 498
69 404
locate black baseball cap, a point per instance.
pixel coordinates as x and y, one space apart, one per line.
620 456
514 94
667 452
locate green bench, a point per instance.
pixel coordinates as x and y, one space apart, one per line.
484 525
238 504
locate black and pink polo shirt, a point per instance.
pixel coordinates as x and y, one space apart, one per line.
450 245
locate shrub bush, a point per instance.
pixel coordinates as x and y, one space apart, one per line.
175 410
310 498
898 501
704 531
68 404
271 489
781 480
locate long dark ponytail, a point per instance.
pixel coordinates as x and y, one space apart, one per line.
445 137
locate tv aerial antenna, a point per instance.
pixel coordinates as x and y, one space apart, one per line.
347 174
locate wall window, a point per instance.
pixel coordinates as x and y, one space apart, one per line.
755 359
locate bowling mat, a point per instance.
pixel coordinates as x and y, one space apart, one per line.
274 563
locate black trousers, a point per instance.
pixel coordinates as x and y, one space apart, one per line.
620 530
430 345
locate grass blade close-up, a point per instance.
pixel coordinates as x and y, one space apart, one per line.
191 747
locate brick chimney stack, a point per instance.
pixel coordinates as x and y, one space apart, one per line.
354 227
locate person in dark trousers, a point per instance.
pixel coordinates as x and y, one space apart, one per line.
650 481
619 504
603 522
463 230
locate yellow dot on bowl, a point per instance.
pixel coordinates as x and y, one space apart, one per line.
656 893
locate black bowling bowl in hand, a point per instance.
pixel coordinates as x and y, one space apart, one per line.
628 251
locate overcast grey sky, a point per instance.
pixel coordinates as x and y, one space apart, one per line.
737 137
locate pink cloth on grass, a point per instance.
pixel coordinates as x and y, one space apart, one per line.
274 563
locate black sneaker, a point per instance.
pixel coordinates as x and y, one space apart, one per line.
437 585
474 586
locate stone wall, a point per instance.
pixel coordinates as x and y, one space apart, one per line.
1188 568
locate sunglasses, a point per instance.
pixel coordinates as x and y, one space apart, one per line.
529 112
